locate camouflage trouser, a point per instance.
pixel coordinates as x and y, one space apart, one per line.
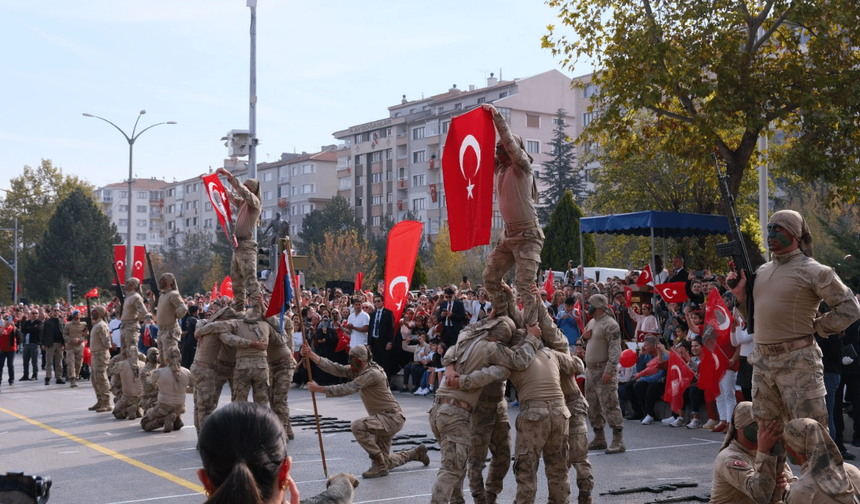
490 430
148 399
54 360
282 378
542 428
251 373
205 393
116 389
374 433
74 360
127 407
451 426
577 443
789 385
129 333
520 246
603 405
168 337
224 375
99 376
155 416
243 273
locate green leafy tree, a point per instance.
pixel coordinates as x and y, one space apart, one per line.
721 73
76 247
340 256
562 237
336 217
380 242
561 173
419 276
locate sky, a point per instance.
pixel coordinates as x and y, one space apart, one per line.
321 67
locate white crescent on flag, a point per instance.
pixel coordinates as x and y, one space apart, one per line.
398 280
724 320
676 383
219 201
120 264
138 265
668 292
470 141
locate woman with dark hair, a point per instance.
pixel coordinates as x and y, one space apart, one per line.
244 452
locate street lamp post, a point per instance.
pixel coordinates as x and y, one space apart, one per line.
129 249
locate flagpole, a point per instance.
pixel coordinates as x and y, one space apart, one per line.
298 295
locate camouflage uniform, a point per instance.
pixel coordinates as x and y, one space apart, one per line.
171 308
173 383
602 353
128 405
577 438
523 238
150 391
131 314
243 266
824 477
252 369
113 376
281 367
74 333
490 430
100 350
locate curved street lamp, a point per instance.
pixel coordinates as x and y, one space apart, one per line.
130 139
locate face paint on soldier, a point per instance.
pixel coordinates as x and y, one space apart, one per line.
590 308
794 457
355 364
778 239
750 433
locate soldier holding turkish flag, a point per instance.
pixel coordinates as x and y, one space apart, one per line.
523 238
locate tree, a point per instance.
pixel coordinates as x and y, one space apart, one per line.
720 73
340 256
380 242
562 237
336 217
419 276
191 263
561 172
77 247
449 267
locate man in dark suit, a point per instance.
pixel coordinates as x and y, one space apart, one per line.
680 273
380 336
452 315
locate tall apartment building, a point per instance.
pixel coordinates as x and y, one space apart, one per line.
393 165
147 204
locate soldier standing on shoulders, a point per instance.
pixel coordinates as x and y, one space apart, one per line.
132 313
171 308
100 345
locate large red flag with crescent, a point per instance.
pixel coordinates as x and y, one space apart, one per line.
227 287
679 377
717 315
137 270
403 241
467 167
712 368
673 292
218 197
119 261
645 276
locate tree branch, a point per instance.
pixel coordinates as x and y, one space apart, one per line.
769 32
673 115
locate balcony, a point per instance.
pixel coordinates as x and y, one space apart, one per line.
403 184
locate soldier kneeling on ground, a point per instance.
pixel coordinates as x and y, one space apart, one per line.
173 382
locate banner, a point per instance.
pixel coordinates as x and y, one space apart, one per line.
218 198
402 251
467 168
137 270
119 261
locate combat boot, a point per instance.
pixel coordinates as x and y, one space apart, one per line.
584 498
178 424
491 498
168 422
104 406
378 468
419 454
479 498
599 441
95 406
617 445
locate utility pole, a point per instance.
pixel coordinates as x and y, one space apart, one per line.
14 264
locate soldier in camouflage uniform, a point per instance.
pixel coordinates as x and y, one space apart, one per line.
251 370
602 338
150 390
113 376
491 431
128 405
75 335
788 375
131 314
281 368
375 432
243 268
100 345
577 437
173 382
170 310
523 238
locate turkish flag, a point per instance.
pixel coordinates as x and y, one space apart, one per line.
678 378
214 293
94 293
137 270
628 296
712 368
218 197
342 341
547 285
282 291
645 276
119 261
403 241
227 287
717 315
577 316
673 292
358 279
467 168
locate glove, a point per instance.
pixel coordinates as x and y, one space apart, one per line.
847 360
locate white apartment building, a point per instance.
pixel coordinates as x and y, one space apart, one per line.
147 204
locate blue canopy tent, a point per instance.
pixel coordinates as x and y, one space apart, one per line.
653 223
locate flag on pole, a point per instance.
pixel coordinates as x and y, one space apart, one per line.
645 276
673 292
403 241
94 293
218 197
467 168
548 285
137 270
214 294
679 377
282 290
119 261
358 279
227 287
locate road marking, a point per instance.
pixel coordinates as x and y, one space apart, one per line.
73 451
154 498
706 442
107 451
394 498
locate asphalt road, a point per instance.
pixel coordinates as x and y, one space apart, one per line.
94 458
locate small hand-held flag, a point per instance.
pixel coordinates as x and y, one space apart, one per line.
679 377
94 293
717 315
218 198
548 285
645 276
673 292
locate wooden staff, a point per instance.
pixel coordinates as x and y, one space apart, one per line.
298 294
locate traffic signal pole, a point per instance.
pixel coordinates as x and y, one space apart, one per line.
14 264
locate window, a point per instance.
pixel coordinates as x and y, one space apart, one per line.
194 206
418 156
171 193
141 237
389 153
294 210
171 208
207 224
587 118
142 195
417 133
123 222
123 208
188 205
188 223
589 90
377 178
532 146
153 238
267 177
309 168
418 180
140 223
294 190
358 160
377 199
376 156
358 201
557 120
498 223
376 220
294 171
532 121
207 206
389 197
307 208
308 188
267 214
503 95
267 195
458 106
359 181
141 208
345 183
171 225
481 100
445 125
123 194
536 171
418 204
389 175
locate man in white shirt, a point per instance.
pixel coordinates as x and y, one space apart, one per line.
357 324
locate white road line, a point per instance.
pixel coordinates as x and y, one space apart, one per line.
318 461
73 451
156 498
394 498
669 446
